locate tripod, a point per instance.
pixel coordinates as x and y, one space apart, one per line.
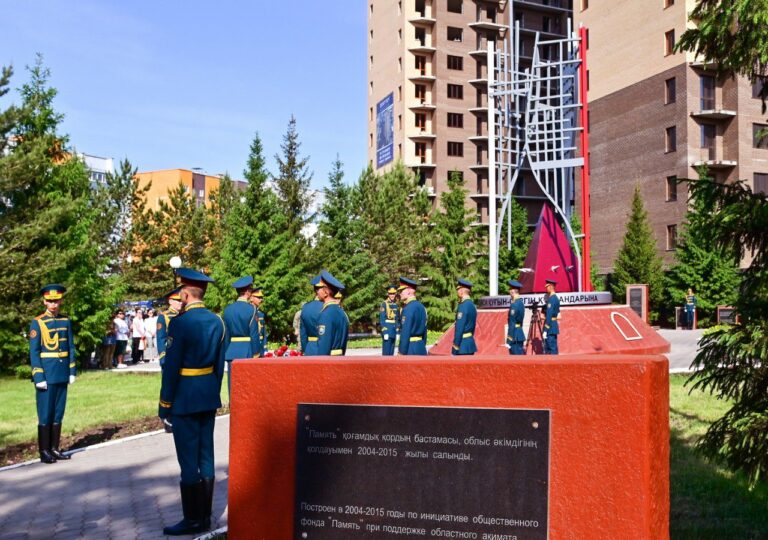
536 326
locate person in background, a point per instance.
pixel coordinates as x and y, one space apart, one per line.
108 345
241 320
466 318
515 334
389 320
150 336
121 334
690 309
137 333
310 313
52 356
257 297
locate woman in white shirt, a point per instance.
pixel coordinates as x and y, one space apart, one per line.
150 334
137 333
121 333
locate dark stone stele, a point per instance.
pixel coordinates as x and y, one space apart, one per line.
726 315
370 471
636 300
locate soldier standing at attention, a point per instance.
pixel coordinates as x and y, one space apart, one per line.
260 345
241 320
466 318
551 318
332 324
189 395
52 355
690 308
413 321
310 313
515 334
389 320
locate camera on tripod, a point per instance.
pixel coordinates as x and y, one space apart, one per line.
534 305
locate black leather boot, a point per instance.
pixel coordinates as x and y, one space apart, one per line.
44 444
192 505
55 440
209 483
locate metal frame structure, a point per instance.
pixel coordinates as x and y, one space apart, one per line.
533 123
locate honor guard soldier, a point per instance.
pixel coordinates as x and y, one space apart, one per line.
174 308
241 320
389 320
332 324
690 308
466 318
189 395
551 317
515 334
260 345
52 355
310 313
413 321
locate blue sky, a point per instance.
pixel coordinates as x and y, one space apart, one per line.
187 84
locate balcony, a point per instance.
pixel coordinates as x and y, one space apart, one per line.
422 77
488 25
422 48
479 139
422 134
708 109
423 105
422 19
709 157
422 164
479 166
483 81
481 55
480 111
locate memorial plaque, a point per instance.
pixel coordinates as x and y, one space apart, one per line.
726 315
636 300
365 471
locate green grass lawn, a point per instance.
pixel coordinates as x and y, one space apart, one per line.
707 501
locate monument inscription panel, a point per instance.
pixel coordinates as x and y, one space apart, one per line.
369 471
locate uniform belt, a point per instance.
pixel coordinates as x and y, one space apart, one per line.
518 326
195 372
337 352
390 320
466 334
415 338
312 338
239 338
60 354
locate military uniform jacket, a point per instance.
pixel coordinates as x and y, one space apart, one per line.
690 303
413 328
51 349
389 319
332 330
194 362
515 318
464 328
162 332
260 344
552 312
242 330
310 314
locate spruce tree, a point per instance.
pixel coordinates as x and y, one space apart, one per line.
637 260
292 180
511 260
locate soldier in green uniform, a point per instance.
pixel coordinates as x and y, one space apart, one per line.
515 334
189 395
466 318
332 324
551 318
413 321
241 319
310 313
389 320
260 345
52 355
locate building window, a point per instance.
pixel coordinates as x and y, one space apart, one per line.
758 88
454 6
707 84
421 64
455 149
708 132
670 139
584 4
371 60
668 3
455 34
399 122
671 237
371 35
370 113
421 121
421 92
671 188
545 24
586 38
760 183
670 91
399 92
760 135
370 143
421 152
370 87
455 91
455 120
455 62
669 42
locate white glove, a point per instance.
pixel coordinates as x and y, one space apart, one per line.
543 335
386 337
43 385
71 379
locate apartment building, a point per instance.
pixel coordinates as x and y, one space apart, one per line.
427 86
195 181
655 116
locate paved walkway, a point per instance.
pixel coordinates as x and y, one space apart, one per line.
118 490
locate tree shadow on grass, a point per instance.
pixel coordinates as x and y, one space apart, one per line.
708 502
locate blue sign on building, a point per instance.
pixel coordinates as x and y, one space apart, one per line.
385 130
